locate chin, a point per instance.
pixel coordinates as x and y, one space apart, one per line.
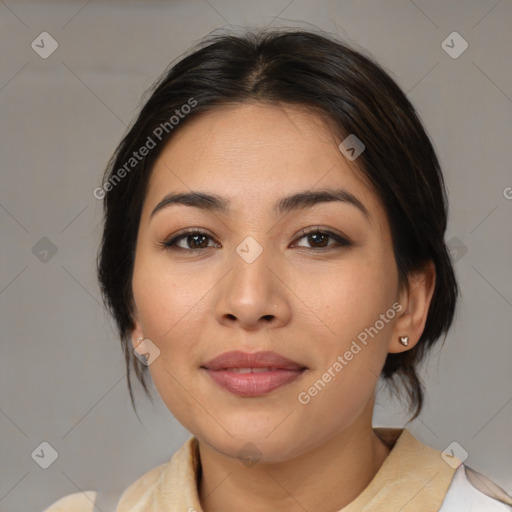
253 443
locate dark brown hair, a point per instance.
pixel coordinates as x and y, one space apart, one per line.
316 72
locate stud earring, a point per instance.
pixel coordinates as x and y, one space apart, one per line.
404 340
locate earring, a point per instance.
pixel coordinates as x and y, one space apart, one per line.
404 340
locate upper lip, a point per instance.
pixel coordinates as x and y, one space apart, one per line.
239 359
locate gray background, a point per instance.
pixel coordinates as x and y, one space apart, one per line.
62 371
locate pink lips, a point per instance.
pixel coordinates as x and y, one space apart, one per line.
252 374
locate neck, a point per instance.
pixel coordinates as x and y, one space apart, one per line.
332 474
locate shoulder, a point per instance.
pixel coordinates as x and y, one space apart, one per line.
141 489
471 491
77 502
171 483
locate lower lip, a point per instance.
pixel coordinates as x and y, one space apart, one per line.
253 384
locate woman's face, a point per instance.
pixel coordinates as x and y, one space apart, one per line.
253 282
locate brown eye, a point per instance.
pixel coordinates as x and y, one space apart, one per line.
189 240
319 239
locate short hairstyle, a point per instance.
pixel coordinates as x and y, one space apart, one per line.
354 95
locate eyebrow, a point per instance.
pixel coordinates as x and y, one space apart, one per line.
299 200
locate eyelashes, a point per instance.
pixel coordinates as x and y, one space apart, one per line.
172 243
193 236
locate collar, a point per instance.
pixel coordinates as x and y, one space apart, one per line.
413 477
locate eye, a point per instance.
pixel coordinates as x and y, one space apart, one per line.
193 240
319 239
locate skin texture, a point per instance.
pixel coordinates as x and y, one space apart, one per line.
304 302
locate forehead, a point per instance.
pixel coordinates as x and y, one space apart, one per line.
254 154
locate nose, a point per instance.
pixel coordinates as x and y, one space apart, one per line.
253 295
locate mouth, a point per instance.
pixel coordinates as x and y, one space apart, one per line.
251 370
252 374
252 382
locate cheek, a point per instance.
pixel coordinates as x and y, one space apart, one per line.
352 342
166 297
172 308
350 300
351 296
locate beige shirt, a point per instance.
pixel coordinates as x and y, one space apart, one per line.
413 478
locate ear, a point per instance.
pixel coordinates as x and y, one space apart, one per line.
138 330
415 300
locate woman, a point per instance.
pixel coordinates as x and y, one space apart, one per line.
273 244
